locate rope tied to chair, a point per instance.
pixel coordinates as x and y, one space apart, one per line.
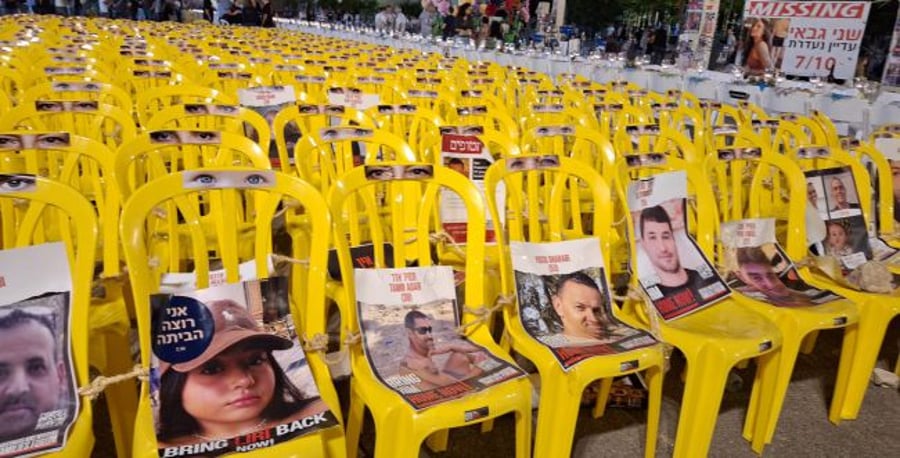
92 390
443 236
319 344
483 314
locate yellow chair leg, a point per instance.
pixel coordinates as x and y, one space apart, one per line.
437 441
765 406
355 417
523 434
809 343
872 327
122 397
654 378
557 416
848 350
703 390
602 397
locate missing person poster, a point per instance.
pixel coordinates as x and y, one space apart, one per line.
409 319
352 97
228 371
464 152
756 266
832 193
565 302
268 101
803 38
38 393
671 269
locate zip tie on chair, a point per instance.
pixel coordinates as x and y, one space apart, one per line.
483 314
286 205
92 390
281 257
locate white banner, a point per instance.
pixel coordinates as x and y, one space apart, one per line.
892 67
803 38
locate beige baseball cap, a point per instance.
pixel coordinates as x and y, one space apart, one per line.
233 324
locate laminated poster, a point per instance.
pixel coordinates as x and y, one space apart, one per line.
831 193
409 319
464 152
38 394
671 269
565 302
228 372
756 266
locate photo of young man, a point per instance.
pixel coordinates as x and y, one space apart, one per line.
658 242
419 359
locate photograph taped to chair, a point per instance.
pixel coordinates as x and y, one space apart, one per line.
352 97
564 301
472 110
205 109
228 372
645 159
268 101
409 321
832 192
465 153
397 109
21 141
733 154
537 162
221 179
75 86
38 392
550 131
756 266
186 137
399 172
635 132
415 93
671 269
65 70
17 182
65 105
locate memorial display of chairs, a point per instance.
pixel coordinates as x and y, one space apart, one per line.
149 107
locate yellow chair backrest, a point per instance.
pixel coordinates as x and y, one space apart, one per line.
151 101
226 118
307 302
107 124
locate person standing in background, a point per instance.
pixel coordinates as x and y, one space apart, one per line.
267 19
426 19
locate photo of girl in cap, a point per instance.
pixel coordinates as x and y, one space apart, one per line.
236 386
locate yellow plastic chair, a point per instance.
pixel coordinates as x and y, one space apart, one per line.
51 204
107 124
400 429
751 183
151 101
87 166
578 142
875 310
104 93
419 127
307 119
158 153
226 118
308 301
714 339
526 207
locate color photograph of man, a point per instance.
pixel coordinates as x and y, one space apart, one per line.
35 384
840 197
419 358
658 242
757 273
